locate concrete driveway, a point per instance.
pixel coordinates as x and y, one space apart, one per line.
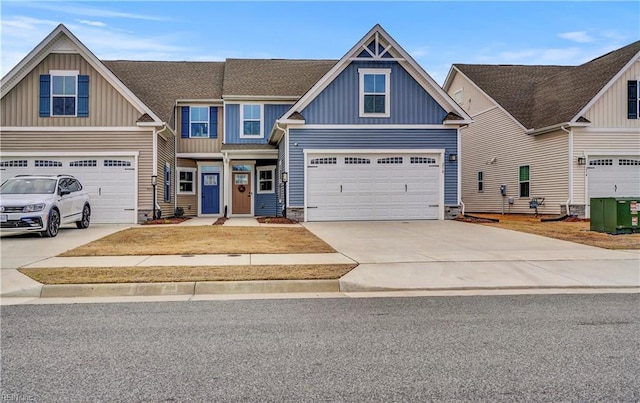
451 254
20 249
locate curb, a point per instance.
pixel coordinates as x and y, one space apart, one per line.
183 288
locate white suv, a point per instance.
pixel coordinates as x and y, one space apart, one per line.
42 203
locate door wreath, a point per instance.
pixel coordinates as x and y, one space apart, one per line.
241 188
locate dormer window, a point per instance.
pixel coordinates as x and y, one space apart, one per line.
374 92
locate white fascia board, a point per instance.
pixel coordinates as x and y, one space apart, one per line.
312 151
604 89
199 155
491 99
40 52
376 127
290 99
44 129
180 102
457 122
70 153
150 124
447 81
252 155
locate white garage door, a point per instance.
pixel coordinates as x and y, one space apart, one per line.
381 186
110 181
614 176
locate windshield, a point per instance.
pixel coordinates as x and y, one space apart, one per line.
28 186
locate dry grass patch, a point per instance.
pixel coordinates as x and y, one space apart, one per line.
577 231
206 239
137 274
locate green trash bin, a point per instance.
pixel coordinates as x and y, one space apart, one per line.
615 215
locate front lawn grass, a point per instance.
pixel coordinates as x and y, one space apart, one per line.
573 231
201 240
137 274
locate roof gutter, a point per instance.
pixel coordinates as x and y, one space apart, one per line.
552 128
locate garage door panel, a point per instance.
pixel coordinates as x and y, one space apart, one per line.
614 176
110 182
390 186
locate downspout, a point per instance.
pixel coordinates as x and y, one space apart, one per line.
155 157
284 184
570 199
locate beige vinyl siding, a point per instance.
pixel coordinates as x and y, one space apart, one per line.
107 107
496 135
200 145
610 110
474 101
90 142
166 152
189 202
589 141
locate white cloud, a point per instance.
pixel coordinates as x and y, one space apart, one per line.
91 11
92 23
577 36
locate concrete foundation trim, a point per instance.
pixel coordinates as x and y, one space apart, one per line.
267 286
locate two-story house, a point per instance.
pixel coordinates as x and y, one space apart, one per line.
368 136
562 133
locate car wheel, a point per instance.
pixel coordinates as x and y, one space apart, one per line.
86 218
53 224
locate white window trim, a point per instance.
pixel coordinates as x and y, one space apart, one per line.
271 168
387 92
63 73
247 136
194 172
199 121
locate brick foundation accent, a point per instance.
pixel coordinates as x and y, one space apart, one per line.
294 213
578 210
451 212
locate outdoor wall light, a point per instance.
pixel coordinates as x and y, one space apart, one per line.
453 157
154 180
285 177
582 160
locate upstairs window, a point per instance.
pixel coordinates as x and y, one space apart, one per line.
524 181
633 100
374 92
480 181
199 121
251 121
64 93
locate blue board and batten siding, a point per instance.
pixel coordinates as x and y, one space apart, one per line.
233 124
339 102
446 139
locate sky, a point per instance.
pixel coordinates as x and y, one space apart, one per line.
435 33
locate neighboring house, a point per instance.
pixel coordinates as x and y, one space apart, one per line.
370 136
562 133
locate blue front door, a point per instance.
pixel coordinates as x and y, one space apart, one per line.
210 193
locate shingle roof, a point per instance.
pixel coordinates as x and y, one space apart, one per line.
542 96
160 84
273 77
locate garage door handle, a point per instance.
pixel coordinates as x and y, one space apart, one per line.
99 191
340 188
405 188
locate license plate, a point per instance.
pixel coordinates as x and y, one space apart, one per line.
3 218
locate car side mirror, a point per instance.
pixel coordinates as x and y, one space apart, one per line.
64 192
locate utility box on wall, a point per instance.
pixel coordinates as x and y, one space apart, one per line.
615 215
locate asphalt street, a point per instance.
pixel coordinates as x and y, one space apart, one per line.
488 348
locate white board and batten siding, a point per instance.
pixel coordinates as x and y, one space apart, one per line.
373 185
110 179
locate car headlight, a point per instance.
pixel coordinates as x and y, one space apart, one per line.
33 207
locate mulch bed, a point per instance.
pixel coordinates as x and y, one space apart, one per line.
276 220
474 219
220 221
168 220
